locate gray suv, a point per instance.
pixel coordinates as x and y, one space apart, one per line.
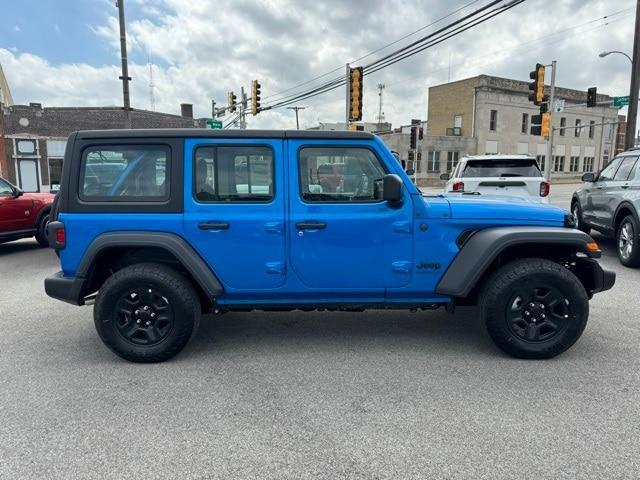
609 202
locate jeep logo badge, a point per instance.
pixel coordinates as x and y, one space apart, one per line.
428 266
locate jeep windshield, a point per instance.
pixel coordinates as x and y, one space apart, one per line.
501 168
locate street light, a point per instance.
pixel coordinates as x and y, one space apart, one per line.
604 54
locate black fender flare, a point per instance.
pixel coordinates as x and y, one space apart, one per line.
172 243
482 248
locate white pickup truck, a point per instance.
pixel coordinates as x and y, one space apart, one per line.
505 175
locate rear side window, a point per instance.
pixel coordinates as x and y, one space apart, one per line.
125 173
233 174
342 174
501 168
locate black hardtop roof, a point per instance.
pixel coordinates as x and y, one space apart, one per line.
210 133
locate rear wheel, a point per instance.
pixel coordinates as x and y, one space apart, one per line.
576 211
534 308
627 242
146 312
41 232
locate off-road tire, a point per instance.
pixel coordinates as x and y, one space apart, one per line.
518 278
41 232
633 259
166 284
576 211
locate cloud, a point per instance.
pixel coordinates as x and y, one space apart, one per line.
17 28
203 49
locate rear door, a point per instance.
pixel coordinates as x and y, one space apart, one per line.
234 209
619 189
346 238
517 177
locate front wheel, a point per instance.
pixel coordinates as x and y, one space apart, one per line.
534 308
576 212
627 242
146 312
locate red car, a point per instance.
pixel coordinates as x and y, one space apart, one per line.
23 215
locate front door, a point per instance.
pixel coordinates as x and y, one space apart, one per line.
15 212
342 235
234 210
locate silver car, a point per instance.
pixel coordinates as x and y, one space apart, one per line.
609 202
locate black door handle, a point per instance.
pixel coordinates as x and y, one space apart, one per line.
624 186
213 226
311 226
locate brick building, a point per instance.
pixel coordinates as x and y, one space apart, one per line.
33 138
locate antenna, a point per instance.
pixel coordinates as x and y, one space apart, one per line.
380 116
152 98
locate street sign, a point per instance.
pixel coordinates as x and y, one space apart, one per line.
620 102
558 106
215 124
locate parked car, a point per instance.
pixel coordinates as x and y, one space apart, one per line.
508 175
23 215
609 202
172 236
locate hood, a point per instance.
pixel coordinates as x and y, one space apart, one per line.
496 207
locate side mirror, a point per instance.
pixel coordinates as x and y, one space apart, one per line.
444 176
589 177
410 172
392 188
17 192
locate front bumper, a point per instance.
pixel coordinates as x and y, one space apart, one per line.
594 277
67 289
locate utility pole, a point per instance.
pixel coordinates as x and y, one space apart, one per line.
550 106
296 110
213 108
152 98
243 109
125 68
632 114
380 112
348 95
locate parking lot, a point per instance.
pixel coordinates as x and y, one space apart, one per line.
314 395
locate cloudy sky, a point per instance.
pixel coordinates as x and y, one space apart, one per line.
67 53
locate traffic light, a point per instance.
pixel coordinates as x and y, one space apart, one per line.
355 94
591 96
413 137
255 97
537 86
545 127
232 101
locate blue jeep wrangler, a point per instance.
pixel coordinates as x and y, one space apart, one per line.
156 227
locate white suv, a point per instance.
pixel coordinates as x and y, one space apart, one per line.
510 175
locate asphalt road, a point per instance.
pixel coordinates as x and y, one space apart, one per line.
316 395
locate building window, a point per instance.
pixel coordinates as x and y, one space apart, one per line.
452 160
457 121
26 147
577 130
433 161
525 123
574 162
55 173
540 159
558 163
493 120
592 128
563 123
587 164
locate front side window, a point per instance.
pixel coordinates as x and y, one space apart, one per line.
355 174
625 169
125 173
609 170
5 188
234 174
